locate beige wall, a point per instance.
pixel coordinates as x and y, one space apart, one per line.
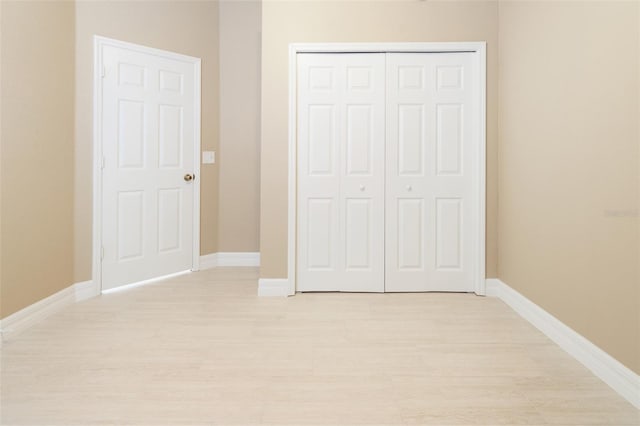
284 22
37 81
569 165
239 152
187 27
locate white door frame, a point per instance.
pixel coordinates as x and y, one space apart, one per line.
98 45
478 49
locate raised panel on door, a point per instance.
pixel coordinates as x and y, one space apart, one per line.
410 140
170 218
358 233
130 225
321 149
359 143
320 230
448 236
148 142
341 161
170 136
410 235
131 134
449 136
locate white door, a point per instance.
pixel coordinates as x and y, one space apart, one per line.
149 141
430 226
386 167
341 172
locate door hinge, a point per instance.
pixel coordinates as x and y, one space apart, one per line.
103 71
102 161
102 253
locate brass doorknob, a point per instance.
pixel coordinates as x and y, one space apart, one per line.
189 178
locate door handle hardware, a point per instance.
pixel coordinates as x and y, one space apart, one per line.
409 188
362 188
189 178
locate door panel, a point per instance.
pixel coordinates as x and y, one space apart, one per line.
411 234
428 186
448 233
170 136
322 140
449 123
131 134
169 219
407 224
130 221
455 225
148 140
359 139
358 234
341 172
320 229
410 140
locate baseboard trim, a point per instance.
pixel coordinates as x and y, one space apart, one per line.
25 318
227 259
208 261
620 378
238 259
86 290
33 314
273 287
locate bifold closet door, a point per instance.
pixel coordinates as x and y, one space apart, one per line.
340 181
429 167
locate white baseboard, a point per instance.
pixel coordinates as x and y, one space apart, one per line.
209 261
620 378
33 314
238 259
223 259
86 290
273 287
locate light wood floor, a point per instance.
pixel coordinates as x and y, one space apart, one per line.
204 349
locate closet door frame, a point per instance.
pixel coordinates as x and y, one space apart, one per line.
478 50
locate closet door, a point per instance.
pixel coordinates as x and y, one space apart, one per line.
341 132
429 153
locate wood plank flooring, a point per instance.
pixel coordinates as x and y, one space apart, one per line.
203 349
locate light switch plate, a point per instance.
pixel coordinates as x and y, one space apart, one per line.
208 157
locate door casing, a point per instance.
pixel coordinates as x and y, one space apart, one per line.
478 49
99 43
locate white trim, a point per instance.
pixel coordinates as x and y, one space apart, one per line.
238 259
209 261
99 43
42 309
145 282
414 47
620 378
225 259
96 273
86 290
479 50
481 126
35 313
292 218
273 287
197 149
